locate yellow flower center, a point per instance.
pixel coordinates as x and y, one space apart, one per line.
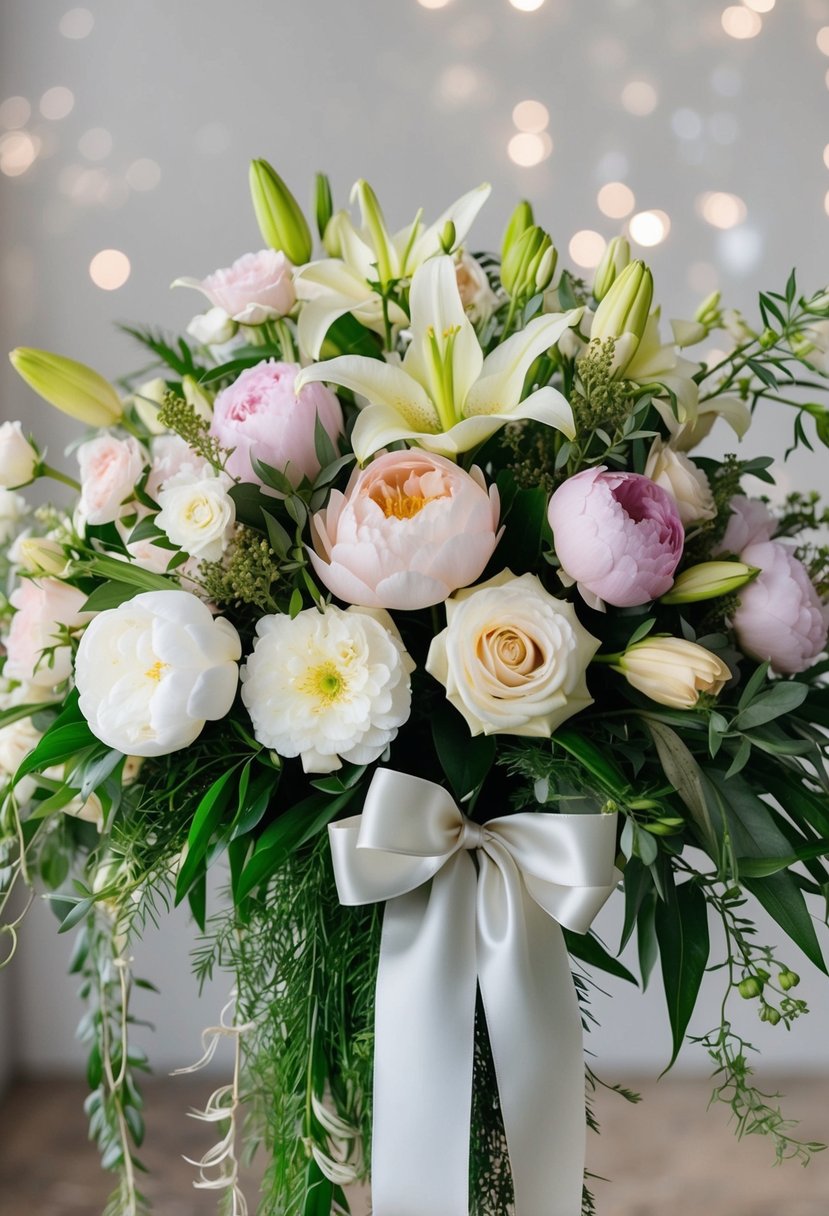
155 672
400 504
325 683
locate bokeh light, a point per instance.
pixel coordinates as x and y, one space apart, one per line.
741 22
143 174
109 269
586 248
433 3
760 6
15 112
639 98
77 23
526 6
532 116
740 249
616 200
18 152
721 210
458 84
826 156
527 148
822 39
686 124
826 202
57 103
649 228
95 144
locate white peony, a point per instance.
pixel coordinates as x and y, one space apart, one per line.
328 686
683 480
512 657
152 671
197 513
13 508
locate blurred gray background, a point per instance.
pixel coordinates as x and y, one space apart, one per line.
128 127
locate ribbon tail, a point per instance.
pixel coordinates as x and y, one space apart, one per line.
535 1031
424 1034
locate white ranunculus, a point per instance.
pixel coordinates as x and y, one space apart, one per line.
512 657
13 508
18 459
152 671
197 513
328 686
212 328
683 480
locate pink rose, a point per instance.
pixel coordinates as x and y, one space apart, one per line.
260 415
169 455
410 529
618 535
750 523
779 617
110 468
41 606
255 288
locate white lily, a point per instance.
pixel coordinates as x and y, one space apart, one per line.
657 363
445 395
332 287
686 436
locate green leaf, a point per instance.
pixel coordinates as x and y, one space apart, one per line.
319 1192
682 933
278 536
7 716
524 527
782 898
324 448
684 774
59 743
762 867
637 881
207 818
646 942
465 759
127 572
250 502
197 899
78 912
587 948
642 631
109 595
275 478
594 760
780 699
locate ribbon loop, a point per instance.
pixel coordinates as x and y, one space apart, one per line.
448 929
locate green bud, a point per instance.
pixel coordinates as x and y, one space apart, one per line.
762 975
788 980
529 264
374 221
708 580
623 313
709 313
520 220
332 237
614 260
768 339
70 386
749 988
323 203
818 304
448 237
770 1015
279 215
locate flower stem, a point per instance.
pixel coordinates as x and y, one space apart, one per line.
46 470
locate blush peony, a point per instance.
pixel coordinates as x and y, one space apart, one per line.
410 529
42 606
257 287
152 671
618 535
779 617
260 416
512 657
328 686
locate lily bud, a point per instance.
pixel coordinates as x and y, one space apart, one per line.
709 312
374 221
614 260
818 304
529 264
195 395
623 313
709 580
332 237
70 386
323 203
279 215
18 459
448 237
42 557
147 401
672 671
520 220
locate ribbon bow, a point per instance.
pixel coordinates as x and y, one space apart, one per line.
495 925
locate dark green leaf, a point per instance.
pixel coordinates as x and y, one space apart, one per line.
646 941
762 867
783 900
319 1192
109 595
683 772
682 932
249 501
277 535
465 760
59 743
758 679
588 949
197 899
594 760
637 882
207 818
781 699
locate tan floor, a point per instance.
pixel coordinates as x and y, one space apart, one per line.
666 1157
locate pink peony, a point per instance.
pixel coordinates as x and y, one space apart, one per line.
110 468
410 529
255 288
41 606
750 523
780 617
260 415
618 535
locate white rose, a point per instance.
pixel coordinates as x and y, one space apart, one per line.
328 686
13 508
684 480
477 297
110 468
152 671
212 328
18 459
512 657
197 513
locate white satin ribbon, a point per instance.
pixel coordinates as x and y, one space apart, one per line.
496 926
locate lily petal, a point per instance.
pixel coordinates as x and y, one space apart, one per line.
504 371
315 320
462 214
381 383
437 311
379 425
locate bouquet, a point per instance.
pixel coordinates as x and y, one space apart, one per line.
398 592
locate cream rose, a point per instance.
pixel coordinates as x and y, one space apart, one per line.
110 468
674 472
512 657
197 513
